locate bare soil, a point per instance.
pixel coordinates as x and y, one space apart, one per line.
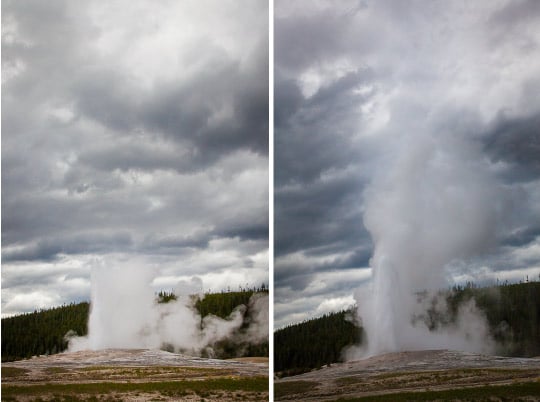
402 373
134 375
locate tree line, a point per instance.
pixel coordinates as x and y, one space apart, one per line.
314 343
222 305
512 312
42 332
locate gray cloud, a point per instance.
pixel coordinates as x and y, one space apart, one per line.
353 82
132 133
50 248
522 236
516 142
183 113
515 13
327 116
321 214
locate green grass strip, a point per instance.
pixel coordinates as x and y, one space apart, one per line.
252 384
282 389
484 393
13 371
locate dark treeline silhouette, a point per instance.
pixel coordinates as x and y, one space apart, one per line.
222 305
43 332
512 312
314 343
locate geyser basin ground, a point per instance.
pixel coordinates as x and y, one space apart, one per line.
135 375
436 374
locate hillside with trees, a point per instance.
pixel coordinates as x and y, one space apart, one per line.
44 331
314 343
512 312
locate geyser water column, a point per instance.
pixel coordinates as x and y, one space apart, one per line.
433 202
123 313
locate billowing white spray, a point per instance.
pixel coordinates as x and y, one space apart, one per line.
434 203
125 314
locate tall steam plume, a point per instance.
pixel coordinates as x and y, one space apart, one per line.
433 204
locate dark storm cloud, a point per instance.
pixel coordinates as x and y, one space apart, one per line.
318 219
515 13
42 218
307 37
133 133
255 231
50 248
323 214
174 244
318 176
516 141
522 236
183 113
179 109
287 99
316 136
45 277
200 240
297 274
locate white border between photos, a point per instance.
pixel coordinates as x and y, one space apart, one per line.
271 199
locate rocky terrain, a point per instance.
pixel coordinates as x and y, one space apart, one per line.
418 375
134 375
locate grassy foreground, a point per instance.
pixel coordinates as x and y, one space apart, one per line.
461 384
241 388
529 391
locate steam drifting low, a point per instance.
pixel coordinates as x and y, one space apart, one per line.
126 314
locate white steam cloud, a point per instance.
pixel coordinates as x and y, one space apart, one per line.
434 204
125 314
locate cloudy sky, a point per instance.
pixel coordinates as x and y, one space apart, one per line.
355 82
133 134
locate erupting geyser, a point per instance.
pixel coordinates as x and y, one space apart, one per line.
125 314
435 203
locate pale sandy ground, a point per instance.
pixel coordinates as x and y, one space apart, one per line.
134 366
409 371
141 358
